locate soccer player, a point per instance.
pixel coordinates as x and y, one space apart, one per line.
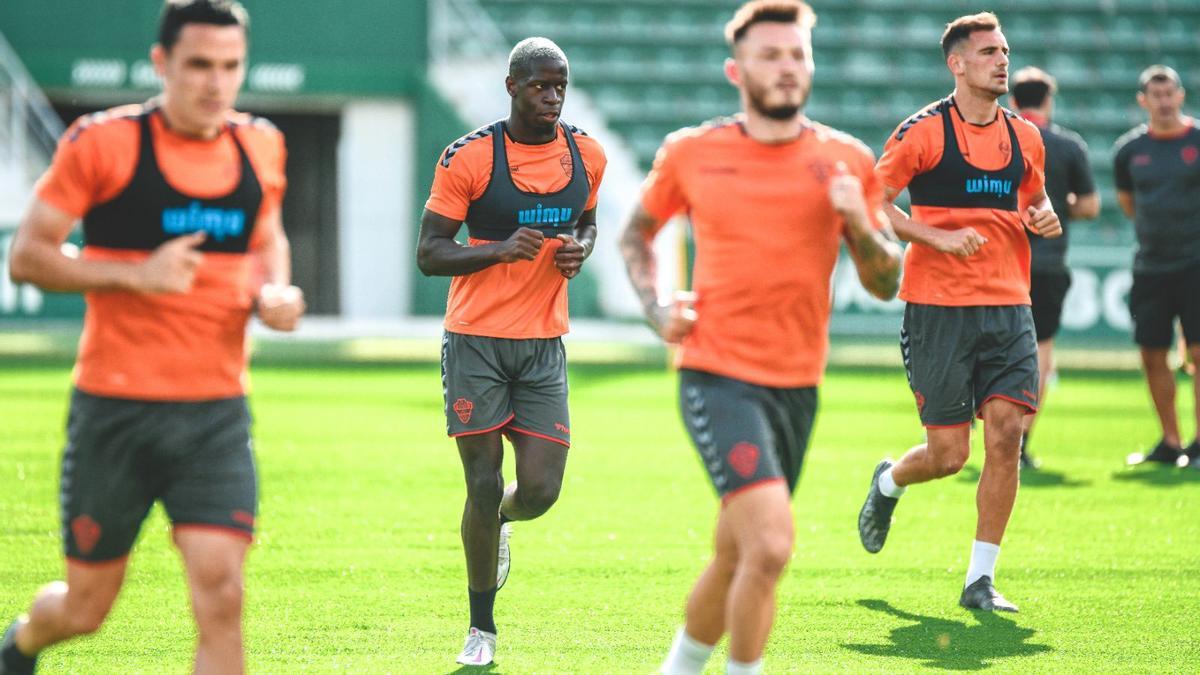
526 188
771 195
180 201
975 174
1157 170
1073 194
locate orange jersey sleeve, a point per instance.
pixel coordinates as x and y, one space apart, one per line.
914 147
85 170
1033 150
662 195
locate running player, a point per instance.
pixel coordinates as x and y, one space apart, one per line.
1157 171
771 195
180 201
526 188
975 174
1073 194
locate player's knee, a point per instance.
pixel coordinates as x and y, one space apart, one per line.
539 497
485 488
770 554
219 594
952 462
85 611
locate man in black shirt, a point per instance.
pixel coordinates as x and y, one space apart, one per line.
1157 172
1072 191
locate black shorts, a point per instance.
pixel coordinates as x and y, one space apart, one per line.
122 455
958 358
1046 293
746 433
492 384
1156 300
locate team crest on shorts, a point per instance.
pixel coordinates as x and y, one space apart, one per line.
920 400
744 459
463 408
86 532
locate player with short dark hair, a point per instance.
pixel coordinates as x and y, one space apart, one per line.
180 201
526 187
771 195
1073 194
1157 171
975 175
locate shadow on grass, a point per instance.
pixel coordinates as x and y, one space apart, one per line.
1160 475
466 670
951 645
1035 478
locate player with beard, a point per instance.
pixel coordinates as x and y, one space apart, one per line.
976 176
771 195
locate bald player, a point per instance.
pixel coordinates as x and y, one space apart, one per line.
771 196
526 188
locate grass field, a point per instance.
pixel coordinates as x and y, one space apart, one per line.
358 565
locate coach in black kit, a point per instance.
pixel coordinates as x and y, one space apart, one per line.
1157 172
1072 191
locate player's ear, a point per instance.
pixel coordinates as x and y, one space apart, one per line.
732 73
158 56
955 63
511 85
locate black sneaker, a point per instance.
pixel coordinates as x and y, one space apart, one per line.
1192 452
875 518
1027 460
12 661
1161 454
981 594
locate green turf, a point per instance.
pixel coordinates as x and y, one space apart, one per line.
358 565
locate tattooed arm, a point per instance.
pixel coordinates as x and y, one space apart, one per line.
876 253
672 321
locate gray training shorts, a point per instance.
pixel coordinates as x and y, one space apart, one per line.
509 385
959 358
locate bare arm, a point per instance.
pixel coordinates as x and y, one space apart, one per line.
37 258
875 252
1125 200
438 254
1084 207
280 304
637 247
963 242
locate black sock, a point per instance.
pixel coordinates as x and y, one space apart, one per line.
13 659
482 603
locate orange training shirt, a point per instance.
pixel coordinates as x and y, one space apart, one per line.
767 240
998 274
170 347
524 299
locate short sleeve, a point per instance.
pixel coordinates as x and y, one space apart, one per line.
1122 176
662 194
905 155
595 162
71 182
454 183
1034 151
1080 180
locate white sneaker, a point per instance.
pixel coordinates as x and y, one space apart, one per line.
503 556
479 649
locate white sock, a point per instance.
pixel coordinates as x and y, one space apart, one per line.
739 668
887 485
983 561
687 655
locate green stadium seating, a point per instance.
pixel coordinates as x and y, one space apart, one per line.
878 61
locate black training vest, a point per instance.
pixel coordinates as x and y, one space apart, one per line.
149 211
503 208
955 183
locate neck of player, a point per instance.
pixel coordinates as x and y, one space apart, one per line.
1169 125
772 131
528 134
974 106
177 124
